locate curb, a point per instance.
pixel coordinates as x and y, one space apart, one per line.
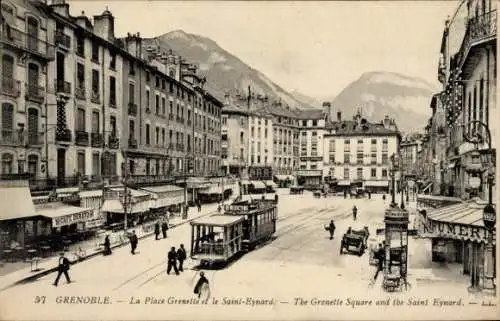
35 276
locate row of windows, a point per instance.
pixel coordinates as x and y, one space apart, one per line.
360 158
7 160
359 172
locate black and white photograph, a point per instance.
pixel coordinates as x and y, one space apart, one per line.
248 160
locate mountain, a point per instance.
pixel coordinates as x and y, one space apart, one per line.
379 93
307 100
224 71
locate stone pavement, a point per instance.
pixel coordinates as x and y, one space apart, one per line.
88 249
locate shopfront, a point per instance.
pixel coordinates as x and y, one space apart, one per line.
63 218
165 198
458 235
137 206
93 200
310 179
377 186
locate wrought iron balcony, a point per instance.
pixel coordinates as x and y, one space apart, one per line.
11 87
35 93
80 92
63 135
30 43
35 139
132 109
148 179
132 143
96 140
81 138
95 97
171 117
11 138
62 40
180 147
113 142
63 87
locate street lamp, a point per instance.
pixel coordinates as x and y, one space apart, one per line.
394 165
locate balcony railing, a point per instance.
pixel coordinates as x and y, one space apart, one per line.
132 109
11 87
148 179
63 135
96 140
95 97
35 93
11 138
132 143
113 142
26 42
171 117
63 86
180 147
35 140
61 39
81 138
80 92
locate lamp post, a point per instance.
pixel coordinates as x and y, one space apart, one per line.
489 213
393 179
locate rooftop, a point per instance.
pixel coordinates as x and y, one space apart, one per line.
351 128
311 114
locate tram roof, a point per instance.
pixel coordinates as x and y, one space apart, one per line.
218 220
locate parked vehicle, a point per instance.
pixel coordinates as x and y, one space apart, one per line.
355 241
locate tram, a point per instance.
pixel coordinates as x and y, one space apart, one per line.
244 225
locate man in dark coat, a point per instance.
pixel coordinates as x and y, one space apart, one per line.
157 230
164 229
181 256
331 229
380 254
107 246
133 242
172 261
199 285
354 212
62 268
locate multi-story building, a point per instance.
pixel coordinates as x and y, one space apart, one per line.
260 128
27 51
357 150
311 134
409 148
235 139
467 70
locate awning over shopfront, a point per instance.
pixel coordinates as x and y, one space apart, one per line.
463 221
377 183
309 173
67 192
212 190
87 194
166 195
16 202
64 214
258 184
344 183
281 177
141 202
245 182
270 184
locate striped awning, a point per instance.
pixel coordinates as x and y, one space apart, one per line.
462 221
258 184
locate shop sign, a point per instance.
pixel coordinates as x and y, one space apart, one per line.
94 223
433 228
72 218
309 173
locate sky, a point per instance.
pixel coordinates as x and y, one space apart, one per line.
316 48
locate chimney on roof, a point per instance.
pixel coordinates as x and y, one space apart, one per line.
60 7
133 45
339 116
327 109
386 122
104 25
227 98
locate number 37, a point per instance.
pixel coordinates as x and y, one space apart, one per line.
39 299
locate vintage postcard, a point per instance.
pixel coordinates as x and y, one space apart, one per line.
248 160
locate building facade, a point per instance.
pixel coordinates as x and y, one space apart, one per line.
235 138
359 151
27 51
409 148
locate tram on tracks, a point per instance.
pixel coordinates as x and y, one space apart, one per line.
243 226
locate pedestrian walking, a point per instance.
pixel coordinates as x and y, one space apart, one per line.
107 246
133 242
181 257
202 287
172 261
199 205
164 228
379 254
354 212
157 230
331 229
62 268
369 195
